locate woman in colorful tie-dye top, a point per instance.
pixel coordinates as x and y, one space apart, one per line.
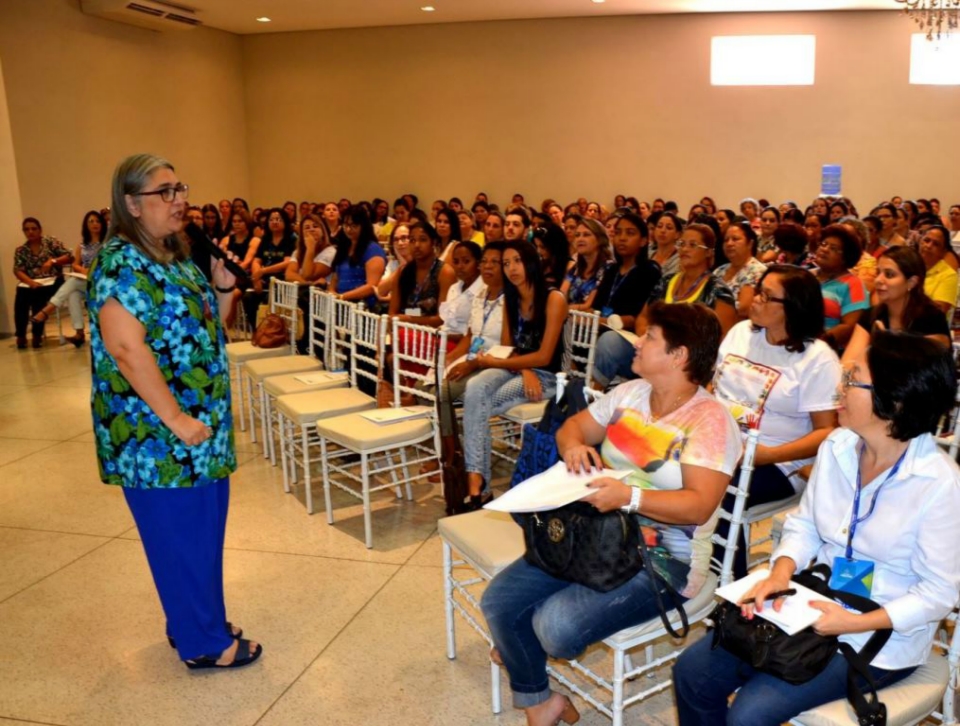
682 446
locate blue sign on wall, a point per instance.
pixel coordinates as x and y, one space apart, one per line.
830 180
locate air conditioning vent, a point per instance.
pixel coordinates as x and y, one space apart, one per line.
137 8
157 15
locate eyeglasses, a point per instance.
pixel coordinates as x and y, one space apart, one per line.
831 248
684 244
168 194
764 296
846 381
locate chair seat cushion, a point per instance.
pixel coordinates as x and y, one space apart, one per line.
488 540
244 350
305 408
259 369
909 701
286 384
764 511
697 608
358 434
526 412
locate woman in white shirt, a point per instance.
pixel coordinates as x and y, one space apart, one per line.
881 493
457 308
773 368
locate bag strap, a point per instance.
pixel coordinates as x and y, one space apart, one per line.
657 579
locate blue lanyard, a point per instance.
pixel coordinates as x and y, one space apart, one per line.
617 283
488 313
855 517
418 290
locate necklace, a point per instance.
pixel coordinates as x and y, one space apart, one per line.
654 417
686 294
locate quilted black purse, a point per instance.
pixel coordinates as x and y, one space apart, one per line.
800 657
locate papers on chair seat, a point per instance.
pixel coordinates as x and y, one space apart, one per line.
794 616
395 415
43 281
312 379
78 275
629 336
550 489
500 351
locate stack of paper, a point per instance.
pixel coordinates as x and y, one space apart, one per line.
312 379
796 613
395 415
550 489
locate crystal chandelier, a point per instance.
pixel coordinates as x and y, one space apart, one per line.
937 17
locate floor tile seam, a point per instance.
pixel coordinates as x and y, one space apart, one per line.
422 545
60 531
5 600
25 720
326 647
305 554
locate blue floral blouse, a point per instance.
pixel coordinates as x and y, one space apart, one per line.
178 309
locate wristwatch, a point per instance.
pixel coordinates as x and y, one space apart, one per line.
636 494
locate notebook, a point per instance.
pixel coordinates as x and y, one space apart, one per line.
794 616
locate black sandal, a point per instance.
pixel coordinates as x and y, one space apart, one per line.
40 320
242 657
238 634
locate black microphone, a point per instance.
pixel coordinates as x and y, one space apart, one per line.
199 238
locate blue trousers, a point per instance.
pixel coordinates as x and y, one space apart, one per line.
703 680
182 532
613 357
533 615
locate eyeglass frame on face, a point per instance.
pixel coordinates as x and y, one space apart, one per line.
847 382
182 189
763 296
684 244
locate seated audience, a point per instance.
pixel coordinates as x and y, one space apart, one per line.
743 271
666 231
551 244
273 254
74 288
38 266
844 297
312 261
458 306
399 245
242 244
941 280
493 227
586 273
447 225
516 225
534 317
766 243
774 369
360 260
468 230
422 285
681 447
892 398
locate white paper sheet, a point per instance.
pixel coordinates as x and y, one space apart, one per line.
44 282
794 616
550 489
629 336
395 415
312 379
500 351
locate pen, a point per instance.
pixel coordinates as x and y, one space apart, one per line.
774 595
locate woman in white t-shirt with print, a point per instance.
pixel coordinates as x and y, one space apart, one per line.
773 366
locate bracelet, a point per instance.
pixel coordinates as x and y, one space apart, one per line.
635 496
225 289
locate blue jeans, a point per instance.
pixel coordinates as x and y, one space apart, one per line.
490 393
703 679
613 357
533 615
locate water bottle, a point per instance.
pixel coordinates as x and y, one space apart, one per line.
561 385
476 345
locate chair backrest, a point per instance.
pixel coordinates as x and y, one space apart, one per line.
367 344
283 302
321 312
337 353
418 353
580 342
740 492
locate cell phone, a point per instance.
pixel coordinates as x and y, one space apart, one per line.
197 237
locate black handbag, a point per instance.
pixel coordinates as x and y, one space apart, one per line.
800 657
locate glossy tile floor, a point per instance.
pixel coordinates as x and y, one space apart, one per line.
351 636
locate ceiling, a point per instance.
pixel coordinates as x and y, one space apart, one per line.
239 16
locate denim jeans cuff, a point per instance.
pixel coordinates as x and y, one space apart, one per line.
526 700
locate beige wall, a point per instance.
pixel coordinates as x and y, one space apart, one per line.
84 92
591 106
10 214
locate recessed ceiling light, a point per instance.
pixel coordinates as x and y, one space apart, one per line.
598 1
264 19
428 8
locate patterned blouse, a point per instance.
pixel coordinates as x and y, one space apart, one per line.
749 275
178 309
582 287
25 261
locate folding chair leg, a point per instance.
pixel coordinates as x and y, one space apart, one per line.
365 484
268 415
326 480
307 488
283 451
448 600
264 420
241 414
495 688
618 671
406 473
250 404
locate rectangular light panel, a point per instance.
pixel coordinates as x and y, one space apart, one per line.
763 60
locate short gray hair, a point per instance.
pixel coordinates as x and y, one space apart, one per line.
131 176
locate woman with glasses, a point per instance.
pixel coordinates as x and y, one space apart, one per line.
773 368
38 266
161 405
593 253
360 260
399 247
889 234
902 305
743 271
844 295
882 493
693 283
